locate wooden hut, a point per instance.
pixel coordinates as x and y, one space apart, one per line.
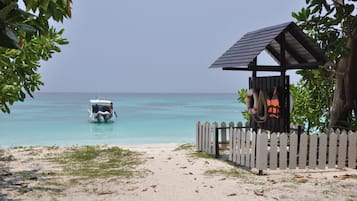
290 47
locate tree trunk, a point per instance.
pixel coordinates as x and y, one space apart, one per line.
345 95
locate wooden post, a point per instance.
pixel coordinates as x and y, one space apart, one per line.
253 155
261 152
332 150
200 146
293 150
283 157
342 148
214 140
312 151
273 163
352 150
235 146
302 151
204 137
198 126
231 144
322 151
207 142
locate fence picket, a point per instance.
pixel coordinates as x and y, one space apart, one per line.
282 151
322 150
234 156
303 151
352 150
251 149
247 148
332 150
198 124
209 139
238 145
265 151
201 137
342 148
231 144
293 150
253 155
204 136
223 134
242 147
273 162
312 151
262 151
213 135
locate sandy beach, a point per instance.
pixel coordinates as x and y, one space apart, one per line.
165 172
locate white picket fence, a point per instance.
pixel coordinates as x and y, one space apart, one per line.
279 150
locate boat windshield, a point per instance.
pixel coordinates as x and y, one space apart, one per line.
98 107
102 107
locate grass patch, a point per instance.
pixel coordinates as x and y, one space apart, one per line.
228 173
7 158
98 162
202 155
185 147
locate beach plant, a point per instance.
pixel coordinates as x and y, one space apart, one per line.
27 37
199 154
232 173
242 94
99 162
185 147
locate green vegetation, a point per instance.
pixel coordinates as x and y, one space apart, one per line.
234 172
330 99
26 38
201 155
326 97
99 162
185 147
311 104
241 98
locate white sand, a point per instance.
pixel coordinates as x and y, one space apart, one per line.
175 175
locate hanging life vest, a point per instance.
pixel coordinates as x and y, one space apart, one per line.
274 106
251 100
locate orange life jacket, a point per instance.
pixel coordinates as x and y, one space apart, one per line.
274 106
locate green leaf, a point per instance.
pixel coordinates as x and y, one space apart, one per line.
8 39
4 13
26 28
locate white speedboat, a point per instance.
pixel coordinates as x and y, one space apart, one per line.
101 111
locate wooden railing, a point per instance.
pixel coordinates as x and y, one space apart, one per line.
265 150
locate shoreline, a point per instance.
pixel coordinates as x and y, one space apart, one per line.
165 172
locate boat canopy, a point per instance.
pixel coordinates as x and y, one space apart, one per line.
100 102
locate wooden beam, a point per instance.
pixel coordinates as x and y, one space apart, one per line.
294 54
273 52
274 68
307 47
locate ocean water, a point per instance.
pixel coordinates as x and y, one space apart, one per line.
62 118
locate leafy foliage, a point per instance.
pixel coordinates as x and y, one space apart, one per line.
242 94
26 38
329 23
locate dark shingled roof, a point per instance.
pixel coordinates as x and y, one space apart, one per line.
299 49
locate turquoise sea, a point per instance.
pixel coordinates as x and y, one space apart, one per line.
62 118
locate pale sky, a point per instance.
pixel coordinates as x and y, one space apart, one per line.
157 45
